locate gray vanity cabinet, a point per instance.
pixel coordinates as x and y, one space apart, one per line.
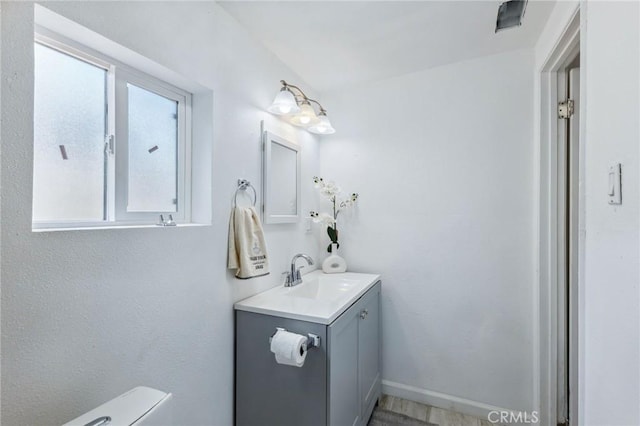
354 361
339 383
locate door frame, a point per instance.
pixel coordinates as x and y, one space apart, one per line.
551 229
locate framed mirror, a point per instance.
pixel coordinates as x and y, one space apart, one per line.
281 180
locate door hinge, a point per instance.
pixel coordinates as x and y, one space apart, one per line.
565 109
109 146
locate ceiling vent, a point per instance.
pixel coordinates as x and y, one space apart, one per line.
510 14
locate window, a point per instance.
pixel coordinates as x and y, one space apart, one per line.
112 145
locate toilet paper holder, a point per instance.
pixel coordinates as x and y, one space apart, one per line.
313 340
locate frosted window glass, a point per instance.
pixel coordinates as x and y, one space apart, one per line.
69 135
153 152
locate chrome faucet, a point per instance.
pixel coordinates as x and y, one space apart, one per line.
293 277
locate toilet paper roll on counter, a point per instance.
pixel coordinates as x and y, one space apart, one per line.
289 348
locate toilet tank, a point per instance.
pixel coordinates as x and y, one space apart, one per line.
141 406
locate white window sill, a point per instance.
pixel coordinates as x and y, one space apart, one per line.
116 226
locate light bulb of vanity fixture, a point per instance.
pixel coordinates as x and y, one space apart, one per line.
323 126
306 117
284 103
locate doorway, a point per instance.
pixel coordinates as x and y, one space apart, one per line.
568 230
561 230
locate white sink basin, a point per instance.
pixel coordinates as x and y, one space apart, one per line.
320 298
324 287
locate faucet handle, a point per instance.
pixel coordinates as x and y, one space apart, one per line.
287 279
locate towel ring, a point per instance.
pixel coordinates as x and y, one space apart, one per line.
243 184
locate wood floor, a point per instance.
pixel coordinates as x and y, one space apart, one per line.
429 414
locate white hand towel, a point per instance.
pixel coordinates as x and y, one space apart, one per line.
247 249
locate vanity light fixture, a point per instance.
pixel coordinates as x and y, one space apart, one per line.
291 101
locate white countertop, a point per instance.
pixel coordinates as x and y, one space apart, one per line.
321 298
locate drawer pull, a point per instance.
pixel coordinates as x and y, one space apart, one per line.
364 313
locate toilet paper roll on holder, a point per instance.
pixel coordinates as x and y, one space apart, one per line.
313 340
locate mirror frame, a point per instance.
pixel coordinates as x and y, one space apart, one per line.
269 216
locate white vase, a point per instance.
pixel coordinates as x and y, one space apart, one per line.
334 263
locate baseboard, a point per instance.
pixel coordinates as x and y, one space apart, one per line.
440 400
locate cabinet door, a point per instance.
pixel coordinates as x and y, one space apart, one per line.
268 393
369 350
344 402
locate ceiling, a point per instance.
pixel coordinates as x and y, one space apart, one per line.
333 44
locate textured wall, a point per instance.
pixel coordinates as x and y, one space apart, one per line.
611 364
446 216
87 315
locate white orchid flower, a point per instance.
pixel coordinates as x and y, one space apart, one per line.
330 190
348 202
318 182
324 218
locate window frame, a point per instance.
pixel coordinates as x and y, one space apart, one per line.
116 138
